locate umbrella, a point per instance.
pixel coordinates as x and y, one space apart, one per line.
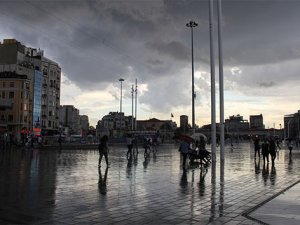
197 136
185 137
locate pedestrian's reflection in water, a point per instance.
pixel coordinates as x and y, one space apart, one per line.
290 165
257 167
265 172
183 181
102 181
129 166
145 163
135 160
203 173
273 174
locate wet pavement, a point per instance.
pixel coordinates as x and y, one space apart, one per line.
53 187
283 209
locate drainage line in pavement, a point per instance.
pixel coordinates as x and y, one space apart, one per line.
247 212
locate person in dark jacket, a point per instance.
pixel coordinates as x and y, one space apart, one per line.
103 150
265 150
272 149
256 147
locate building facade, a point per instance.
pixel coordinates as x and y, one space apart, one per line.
155 125
51 81
84 124
184 123
69 118
236 124
114 124
18 62
116 121
15 115
292 126
257 122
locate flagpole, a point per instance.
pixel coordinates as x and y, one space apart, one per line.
221 82
213 83
135 127
132 124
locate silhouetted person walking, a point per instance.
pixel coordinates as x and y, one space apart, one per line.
272 149
129 141
256 147
184 149
265 150
103 150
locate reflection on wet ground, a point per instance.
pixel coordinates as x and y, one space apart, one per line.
68 187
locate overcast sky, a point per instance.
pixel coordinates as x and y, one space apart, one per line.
96 42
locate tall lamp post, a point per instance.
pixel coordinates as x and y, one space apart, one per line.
192 24
121 80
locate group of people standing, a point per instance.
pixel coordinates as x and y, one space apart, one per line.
269 146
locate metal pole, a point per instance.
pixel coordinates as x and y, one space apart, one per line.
135 127
221 82
132 90
121 80
192 24
213 83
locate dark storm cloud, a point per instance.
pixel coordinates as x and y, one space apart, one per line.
260 32
155 62
266 84
132 25
172 49
97 42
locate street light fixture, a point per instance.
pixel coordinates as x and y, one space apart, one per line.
121 80
192 24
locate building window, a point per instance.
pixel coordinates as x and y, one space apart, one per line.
49 123
25 107
25 119
10 117
26 95
3 94
4 84
11 84
11 94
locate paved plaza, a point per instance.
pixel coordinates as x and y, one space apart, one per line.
66 187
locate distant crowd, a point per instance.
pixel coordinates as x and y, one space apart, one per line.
269 146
